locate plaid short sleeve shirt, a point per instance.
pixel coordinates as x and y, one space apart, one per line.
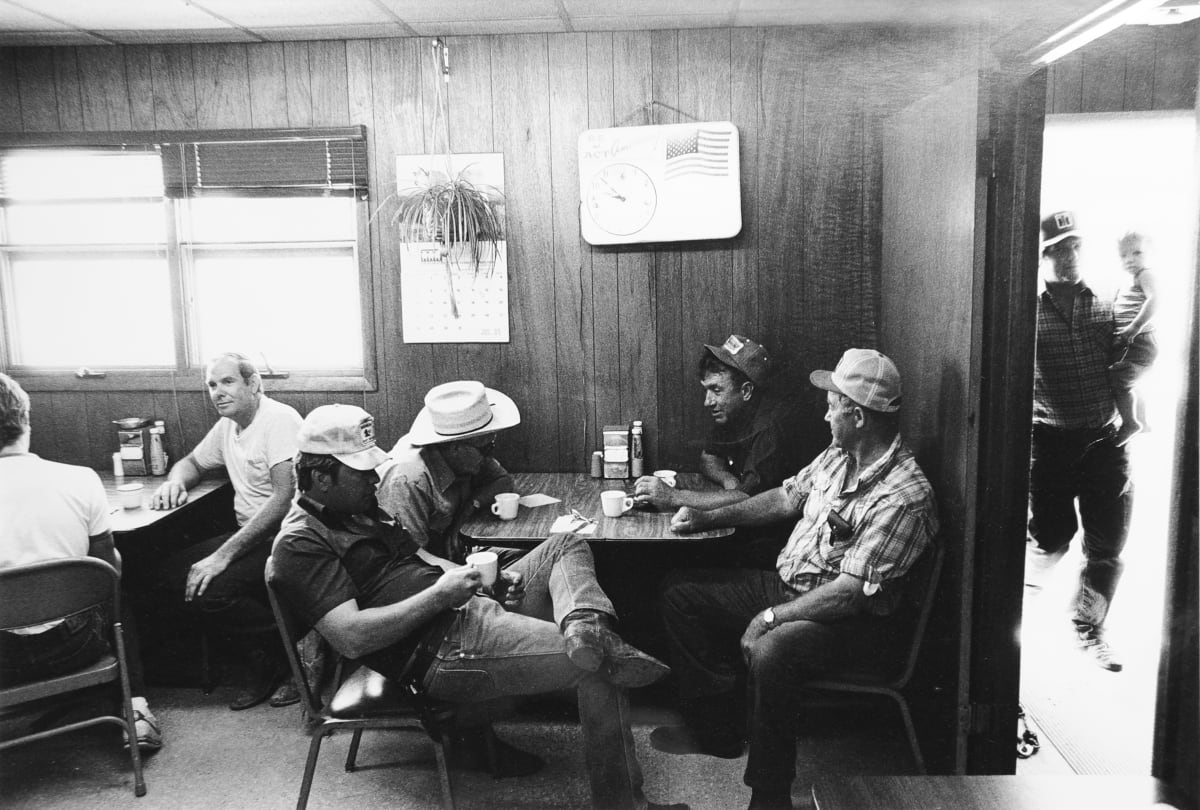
892 519
1070 370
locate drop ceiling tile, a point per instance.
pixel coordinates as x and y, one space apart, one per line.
296 13
124 15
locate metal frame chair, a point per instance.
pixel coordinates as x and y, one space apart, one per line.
364 700
55 589
921 597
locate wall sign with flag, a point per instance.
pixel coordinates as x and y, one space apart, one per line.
664 183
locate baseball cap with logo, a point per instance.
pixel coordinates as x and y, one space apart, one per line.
1057 227
345 432
866 376
744 354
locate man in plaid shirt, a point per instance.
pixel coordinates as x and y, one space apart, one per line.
864 514
1075 455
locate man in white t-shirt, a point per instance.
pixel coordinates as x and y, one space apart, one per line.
49 511
221 578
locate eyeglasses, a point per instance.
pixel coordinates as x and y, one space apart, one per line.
485 444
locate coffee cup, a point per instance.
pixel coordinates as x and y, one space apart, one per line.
488 565
615 502
666 476
505 506
131 495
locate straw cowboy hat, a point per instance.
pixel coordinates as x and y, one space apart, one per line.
459 410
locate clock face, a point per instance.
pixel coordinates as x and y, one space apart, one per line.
621 198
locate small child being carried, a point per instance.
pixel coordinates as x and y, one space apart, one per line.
1134 342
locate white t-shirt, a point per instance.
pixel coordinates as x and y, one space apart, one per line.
48 510
248 455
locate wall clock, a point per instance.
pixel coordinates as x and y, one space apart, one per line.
664 183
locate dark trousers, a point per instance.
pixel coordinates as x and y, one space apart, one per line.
1085 466
67 647
235 608
705 613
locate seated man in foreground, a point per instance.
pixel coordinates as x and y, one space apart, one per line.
864 514
49 511
221 577
348 569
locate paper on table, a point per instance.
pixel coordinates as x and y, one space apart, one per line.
536 500
569 523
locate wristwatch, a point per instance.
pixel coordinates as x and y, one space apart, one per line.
768 617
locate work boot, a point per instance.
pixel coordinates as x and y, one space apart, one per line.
594 647
265 675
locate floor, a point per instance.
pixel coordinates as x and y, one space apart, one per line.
214 758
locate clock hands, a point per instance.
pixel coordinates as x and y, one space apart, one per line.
612 192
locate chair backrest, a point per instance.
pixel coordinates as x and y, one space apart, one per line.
291 632
53 589
921 592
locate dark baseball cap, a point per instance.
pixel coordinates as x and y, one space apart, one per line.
746 355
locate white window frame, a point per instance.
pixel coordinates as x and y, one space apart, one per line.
187 372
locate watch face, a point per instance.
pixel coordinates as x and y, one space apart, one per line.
621 198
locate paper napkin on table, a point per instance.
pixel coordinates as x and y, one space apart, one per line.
569 523
536 500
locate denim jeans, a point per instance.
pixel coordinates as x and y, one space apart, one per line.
1089 467
67 647
491 653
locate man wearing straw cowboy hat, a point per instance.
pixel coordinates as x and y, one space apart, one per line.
443 469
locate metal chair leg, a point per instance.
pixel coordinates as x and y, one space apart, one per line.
352 754
439 750
310 767
912 735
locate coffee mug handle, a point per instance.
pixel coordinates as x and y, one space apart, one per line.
496 508
626 504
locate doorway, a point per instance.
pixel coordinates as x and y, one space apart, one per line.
1118 172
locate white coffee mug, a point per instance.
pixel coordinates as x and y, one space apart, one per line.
488 564
505 506
615 502
131 495
666 476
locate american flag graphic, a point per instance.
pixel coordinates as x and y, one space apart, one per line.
698 152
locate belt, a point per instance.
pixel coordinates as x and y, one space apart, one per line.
422 657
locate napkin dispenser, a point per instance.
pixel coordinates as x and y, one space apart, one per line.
133 442
616 451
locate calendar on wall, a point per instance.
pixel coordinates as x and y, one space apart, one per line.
449 298
476 312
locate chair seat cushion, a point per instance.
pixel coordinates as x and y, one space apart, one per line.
366 694
102 670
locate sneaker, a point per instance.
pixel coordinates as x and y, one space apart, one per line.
149 737
1093 643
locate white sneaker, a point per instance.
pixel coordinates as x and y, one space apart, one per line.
1093 643
149 737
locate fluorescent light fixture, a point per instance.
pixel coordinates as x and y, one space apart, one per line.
1109 17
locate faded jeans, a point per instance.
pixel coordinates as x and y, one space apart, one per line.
491 652
1087 466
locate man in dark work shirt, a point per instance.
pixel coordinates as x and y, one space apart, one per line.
376 596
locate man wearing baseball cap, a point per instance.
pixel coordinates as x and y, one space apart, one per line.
863 514
1075 455
443 468
753 445
352 572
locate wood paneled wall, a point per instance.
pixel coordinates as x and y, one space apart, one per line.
597 335
1132 69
